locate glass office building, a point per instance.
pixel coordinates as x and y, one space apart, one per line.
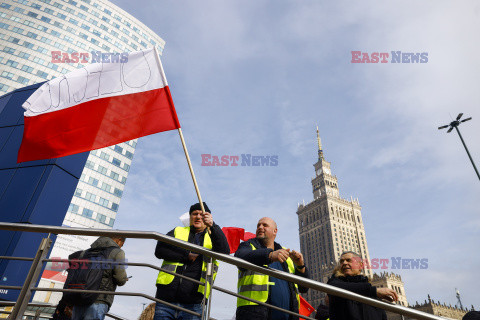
37 39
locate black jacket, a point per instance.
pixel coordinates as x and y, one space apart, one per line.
260 258
345 309
182 290
322 312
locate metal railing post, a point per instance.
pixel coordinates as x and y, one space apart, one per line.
209 280
205 312
32 276
37 315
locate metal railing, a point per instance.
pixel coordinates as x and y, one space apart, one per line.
32 277
41 314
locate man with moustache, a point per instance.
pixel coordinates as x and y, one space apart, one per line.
264 251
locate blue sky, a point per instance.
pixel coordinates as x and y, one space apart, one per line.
256 77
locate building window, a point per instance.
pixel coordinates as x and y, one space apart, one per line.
89 164
106 187
103 202
114 206
73 208
3 87
114 175
7 75
118 192
12 63
91 197
87 213
102 170
93 181
42 74
116 162
22 80
101 218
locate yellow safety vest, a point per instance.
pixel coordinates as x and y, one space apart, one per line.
164 278
254 285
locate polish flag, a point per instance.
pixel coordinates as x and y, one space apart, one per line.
305 308
234 235
99 105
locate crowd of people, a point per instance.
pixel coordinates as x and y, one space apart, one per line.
182 298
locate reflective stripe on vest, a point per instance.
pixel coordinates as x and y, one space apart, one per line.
164 278
254 285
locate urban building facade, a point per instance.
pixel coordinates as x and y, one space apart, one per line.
328 226
435 308
44 39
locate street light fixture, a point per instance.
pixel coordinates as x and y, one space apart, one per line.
455 124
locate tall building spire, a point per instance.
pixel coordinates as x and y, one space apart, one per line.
320 151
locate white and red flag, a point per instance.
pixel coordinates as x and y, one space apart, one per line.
99 105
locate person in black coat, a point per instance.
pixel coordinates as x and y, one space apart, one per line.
348 276
182 292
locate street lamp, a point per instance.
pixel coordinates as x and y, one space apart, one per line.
455 124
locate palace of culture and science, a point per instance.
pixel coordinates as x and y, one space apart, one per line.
330 225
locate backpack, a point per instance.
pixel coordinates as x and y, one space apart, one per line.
87 275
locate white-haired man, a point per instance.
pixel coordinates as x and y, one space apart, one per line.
348 276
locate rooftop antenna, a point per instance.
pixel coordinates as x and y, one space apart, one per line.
457 293
454 124
319 143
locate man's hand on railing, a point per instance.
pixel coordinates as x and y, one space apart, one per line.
388 294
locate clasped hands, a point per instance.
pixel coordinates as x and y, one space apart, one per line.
281 255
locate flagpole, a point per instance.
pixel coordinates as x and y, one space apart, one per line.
157 56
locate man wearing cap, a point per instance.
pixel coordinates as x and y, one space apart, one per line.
264 251
178 291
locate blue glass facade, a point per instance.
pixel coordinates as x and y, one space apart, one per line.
36 192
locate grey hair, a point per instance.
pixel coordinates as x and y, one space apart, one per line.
352 252
337 271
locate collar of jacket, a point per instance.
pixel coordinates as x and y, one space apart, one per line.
259 244
357 278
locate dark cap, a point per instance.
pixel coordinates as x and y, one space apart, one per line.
472 315
197 206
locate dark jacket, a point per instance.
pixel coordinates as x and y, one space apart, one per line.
111 277
60 312
345 309
322 312
181 290
259 256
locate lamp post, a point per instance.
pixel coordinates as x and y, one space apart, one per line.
455 124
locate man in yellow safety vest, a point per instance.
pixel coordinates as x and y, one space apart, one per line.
264 251
178 291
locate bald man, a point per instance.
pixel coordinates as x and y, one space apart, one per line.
264 251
